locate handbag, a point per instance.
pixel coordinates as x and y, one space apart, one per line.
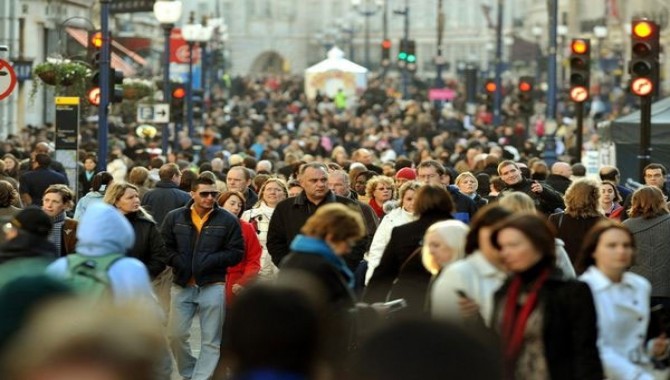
389 295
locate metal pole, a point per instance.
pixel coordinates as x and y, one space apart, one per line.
104 86
645 134
580 130
551 64
497 96
167 91
405 72
367 15
203 74
439 83
385 32
189 91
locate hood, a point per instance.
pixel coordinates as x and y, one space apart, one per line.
102 230
25 245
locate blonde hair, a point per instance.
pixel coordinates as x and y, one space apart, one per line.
375 181
517 201
335 220
278 181
453 233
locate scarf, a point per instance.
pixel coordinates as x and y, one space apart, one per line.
515 319
379 210
56 234
318 247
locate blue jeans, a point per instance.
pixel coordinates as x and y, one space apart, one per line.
209 302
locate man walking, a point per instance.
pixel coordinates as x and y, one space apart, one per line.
201 241
166 196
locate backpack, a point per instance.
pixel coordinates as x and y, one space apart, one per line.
89 276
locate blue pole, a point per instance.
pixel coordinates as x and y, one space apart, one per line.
189 88
497 96
551 67
104 85
167 91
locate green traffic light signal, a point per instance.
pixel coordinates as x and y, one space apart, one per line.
411 58
402 56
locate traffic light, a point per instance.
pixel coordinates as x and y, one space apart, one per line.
198 102
178 95
580 69
525 95
644 66
93 57
490 88
115 85
411 55
402 53
386 53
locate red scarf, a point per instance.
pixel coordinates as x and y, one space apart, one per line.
514 324
379 210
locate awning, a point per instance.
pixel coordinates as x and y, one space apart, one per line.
118 63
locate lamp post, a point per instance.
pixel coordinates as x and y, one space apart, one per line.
537 33
600 31
190 33
562 31
167 13
368 10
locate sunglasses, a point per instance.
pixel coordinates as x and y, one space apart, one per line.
205 194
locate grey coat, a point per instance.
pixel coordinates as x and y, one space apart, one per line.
652 261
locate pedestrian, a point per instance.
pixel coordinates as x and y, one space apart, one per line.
622 303
166 195
33 182
202 241
547 325
379 189
26 236
57 200
610 200
546 199
101 181
239 179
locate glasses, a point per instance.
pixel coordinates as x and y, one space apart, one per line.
205 194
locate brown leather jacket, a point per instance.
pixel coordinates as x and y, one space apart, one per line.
69 235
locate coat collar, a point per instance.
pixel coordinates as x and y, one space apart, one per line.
600 282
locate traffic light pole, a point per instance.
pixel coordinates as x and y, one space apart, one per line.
103 108
579 109
645 134
405 71
189 93
167 90
497 96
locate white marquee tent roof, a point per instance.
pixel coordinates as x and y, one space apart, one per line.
336 61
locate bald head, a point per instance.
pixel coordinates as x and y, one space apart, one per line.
609 173
562 169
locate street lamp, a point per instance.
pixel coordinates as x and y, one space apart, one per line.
167 13
192 33
600 31
368 10
537 33
562 31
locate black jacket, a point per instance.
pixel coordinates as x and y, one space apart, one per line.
149 247
251 199
414 280
205 256
163 198
289 217
547 201
570 328
558 182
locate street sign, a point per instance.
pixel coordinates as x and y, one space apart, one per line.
24 70
7 79
131 6
153 113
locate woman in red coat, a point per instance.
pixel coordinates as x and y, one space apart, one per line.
247 269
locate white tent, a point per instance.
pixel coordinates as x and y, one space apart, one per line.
334 73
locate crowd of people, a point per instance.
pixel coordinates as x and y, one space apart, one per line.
315 242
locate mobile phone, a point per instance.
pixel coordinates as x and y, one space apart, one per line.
461 293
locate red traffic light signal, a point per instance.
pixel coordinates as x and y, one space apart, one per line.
386 44
525 84
580 46
490 86
178 93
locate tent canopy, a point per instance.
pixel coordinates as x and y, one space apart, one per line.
626 129
335 61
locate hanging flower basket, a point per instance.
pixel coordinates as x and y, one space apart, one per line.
67 77
135 89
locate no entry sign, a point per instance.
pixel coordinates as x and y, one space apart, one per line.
7 79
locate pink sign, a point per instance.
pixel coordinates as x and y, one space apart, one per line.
441 94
